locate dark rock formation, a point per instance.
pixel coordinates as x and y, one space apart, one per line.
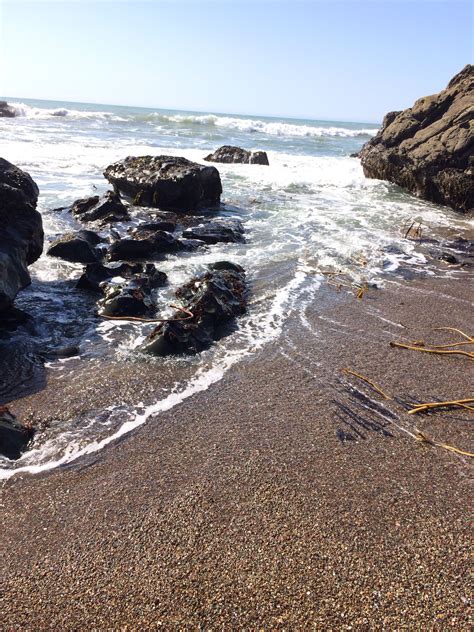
6 111
146 244
227 231
132 297
21 234
213 299
428 148
95 273
77 247
14 437
230 154
167 182
107 209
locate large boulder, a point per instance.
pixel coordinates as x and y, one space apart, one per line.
209 301
21 231
167 182
428 148
6 111
231 154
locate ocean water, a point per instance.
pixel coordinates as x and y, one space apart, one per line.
312 209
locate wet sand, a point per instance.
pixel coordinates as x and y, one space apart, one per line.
287 496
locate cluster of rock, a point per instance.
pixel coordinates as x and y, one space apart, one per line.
6 111
175 190
429 148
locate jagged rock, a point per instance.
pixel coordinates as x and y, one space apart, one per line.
227 231
146 244
21 234
230 154
214 298
107 209
79 247
6 111
167 182
14 437
428 148
131 297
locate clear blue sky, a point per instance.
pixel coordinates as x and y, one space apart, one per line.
335 60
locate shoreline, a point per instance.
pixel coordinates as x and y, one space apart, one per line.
287 494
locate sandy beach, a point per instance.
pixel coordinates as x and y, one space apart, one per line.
287 496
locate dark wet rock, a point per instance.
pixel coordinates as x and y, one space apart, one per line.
227 231
14 437
231 154
6 111
146 244
214 299
61 352
107 209
79 247
428 148
448 258
168 227
134 296
167 182
21 234
12 318
95 273
190 244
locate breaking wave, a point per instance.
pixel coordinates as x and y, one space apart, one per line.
27 111
273 128
245 125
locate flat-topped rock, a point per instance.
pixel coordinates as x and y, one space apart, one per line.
231 154
167 182
428 148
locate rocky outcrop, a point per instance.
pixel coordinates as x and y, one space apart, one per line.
225 231
6 111
428 148
21 234
106 209
80 247
209 302
230 154
166 182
